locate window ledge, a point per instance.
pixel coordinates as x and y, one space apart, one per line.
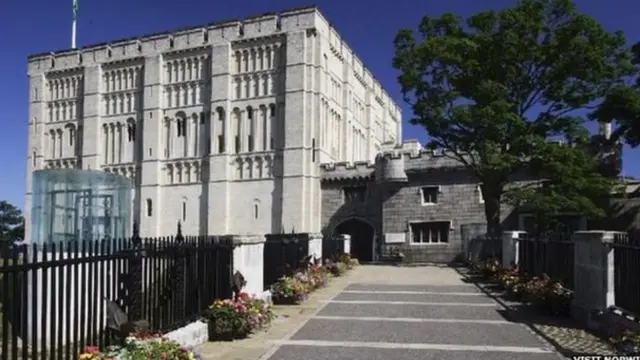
429 244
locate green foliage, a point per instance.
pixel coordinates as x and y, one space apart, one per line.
11 222
492 90
571 184
622 104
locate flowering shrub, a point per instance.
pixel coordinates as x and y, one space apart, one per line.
259 313
348 261
319 276
508 278
627 342
336 268
488 267
227 319
235 319
142 347
290 290
547 294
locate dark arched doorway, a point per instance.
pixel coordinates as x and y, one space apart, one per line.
362 235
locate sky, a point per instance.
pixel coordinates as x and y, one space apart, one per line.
36 26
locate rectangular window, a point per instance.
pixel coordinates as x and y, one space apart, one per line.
354 193
430 195
434 232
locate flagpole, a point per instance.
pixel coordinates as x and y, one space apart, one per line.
73 34
74 24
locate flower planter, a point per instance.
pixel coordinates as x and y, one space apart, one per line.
221 336
288 300
226 334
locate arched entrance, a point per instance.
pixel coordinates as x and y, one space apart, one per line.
362 236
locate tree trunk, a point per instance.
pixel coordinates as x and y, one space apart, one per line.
492 199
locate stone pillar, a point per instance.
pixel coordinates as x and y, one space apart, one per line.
346 243
593 275
248 259
510 246
315 246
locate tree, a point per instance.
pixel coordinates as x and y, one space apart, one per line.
11 223
491 92
571 184
622 104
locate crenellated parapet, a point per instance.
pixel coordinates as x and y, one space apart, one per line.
348 171
393 164
186 39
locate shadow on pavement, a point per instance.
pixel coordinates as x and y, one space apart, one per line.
563 333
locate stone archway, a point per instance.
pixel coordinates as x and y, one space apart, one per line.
362 238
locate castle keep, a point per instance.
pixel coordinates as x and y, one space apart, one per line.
258 126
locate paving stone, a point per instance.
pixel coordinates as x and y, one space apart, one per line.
343 353
412 311
432 297
407 287
442 333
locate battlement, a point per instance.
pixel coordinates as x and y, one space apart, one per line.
207 35
347 170
180 39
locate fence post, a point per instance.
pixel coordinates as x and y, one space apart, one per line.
510 247
134 283
178 277
594 289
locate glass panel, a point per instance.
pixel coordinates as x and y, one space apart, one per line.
71 204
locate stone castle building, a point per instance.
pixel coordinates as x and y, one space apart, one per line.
257 126
222 127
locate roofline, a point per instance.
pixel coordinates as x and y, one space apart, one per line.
215 24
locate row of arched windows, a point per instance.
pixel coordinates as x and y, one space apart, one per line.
256 167
118 141
256 85
121 103
183 172
127 171
63 142
64 88
257 58
122 79
62 110
186 69
185 94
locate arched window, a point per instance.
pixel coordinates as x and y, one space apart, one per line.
149 208
131 132
184 210
256 211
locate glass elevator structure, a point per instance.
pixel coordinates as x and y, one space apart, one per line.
82 205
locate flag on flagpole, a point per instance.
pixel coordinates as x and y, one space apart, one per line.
75 10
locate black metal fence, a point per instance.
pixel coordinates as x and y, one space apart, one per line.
282 255
53 296
551 254
626 269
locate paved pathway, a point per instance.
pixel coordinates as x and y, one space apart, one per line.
425 313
